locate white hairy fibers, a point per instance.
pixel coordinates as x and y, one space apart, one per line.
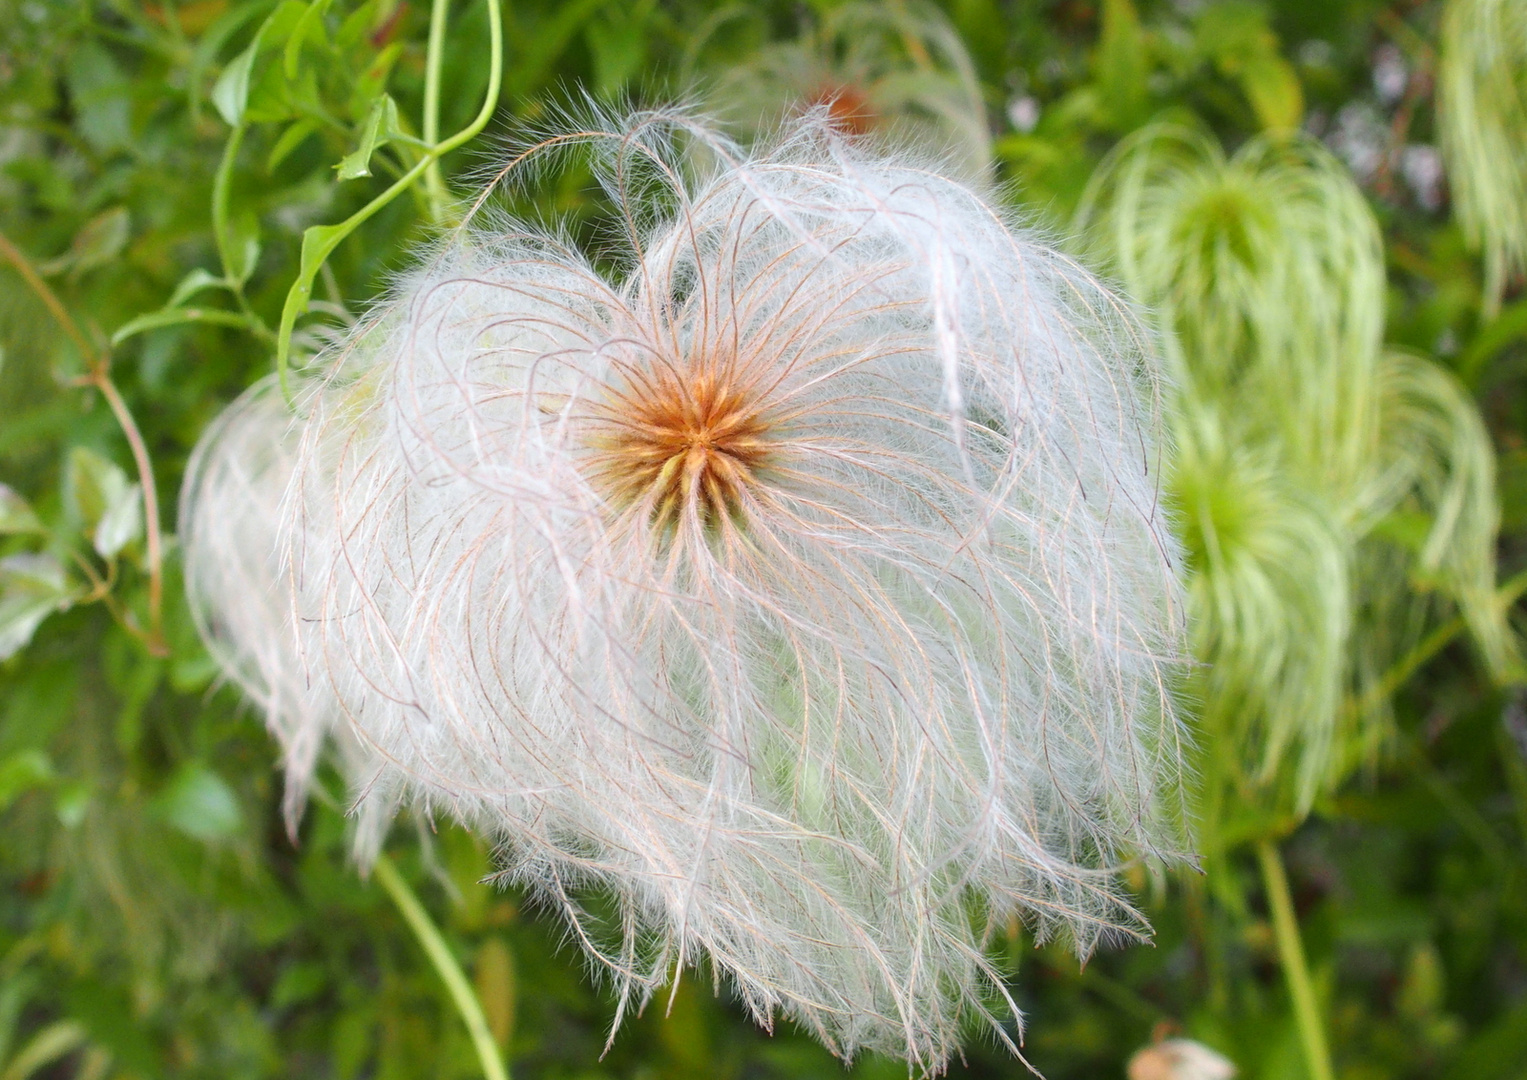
240 597
794 577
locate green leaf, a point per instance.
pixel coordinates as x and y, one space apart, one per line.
318 242
71 802
32 587
98 241
47 1046
1272 86
107 505
16 516
298 983
1235 36
199 803
309 28
211 43
1507 328
1121 63
243 246
193 283
366 19
121 524
100 95
22 772
380 127
231 93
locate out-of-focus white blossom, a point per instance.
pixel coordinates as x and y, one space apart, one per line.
1180 1059
1391 74
1023 113
796 575
1421 165
1360 138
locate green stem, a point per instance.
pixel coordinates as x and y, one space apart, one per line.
434 182
1296 971
221 182
319 240
446 966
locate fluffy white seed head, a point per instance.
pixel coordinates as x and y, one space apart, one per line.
801 583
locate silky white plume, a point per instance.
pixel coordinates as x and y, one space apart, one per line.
794 574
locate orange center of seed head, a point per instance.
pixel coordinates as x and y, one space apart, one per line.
680 443
848 108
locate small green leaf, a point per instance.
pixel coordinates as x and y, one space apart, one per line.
71 802
1236 37
318 242
47 1046
100 96
189 674
193 283
309 28
16 516
199 803
298 983
22 772
107 505
121 524
211 43
243 246
1272 86
32 587
380 126
231 92
99 240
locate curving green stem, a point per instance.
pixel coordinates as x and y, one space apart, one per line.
434 181
1317 1052
319 241
449 970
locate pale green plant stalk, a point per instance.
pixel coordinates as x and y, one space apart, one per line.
1296 971
434 181
98 375
439 953
1482 117
430 939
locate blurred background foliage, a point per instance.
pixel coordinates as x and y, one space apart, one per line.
1321 201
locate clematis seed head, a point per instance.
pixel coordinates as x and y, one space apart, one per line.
792 574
